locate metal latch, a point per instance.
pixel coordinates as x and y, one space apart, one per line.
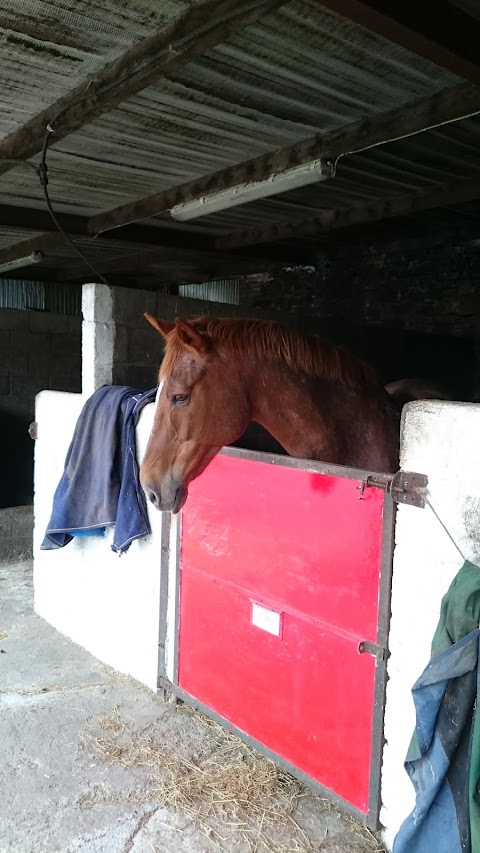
405 487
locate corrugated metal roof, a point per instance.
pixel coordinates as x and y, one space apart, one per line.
48 48
312 67
294 73
420 162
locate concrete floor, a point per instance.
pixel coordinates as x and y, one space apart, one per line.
59 796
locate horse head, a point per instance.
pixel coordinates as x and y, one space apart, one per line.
202 405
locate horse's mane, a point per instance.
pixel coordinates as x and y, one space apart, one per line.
270 341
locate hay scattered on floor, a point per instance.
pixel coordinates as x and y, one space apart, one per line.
229 791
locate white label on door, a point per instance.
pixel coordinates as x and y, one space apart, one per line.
267 620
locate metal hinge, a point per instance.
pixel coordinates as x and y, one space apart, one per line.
33 430
165 690
405 487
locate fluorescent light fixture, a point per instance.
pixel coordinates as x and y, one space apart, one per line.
26 261
290 179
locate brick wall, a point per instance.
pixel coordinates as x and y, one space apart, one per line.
412 308
418 287
37 351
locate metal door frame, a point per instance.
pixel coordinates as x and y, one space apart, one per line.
169 630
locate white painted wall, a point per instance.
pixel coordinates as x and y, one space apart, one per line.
441 440
107 603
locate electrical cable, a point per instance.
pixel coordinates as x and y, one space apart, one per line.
335 160
42 174
41 171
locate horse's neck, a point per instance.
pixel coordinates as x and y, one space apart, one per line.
287 404
318 419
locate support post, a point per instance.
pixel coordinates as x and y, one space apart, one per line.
98 337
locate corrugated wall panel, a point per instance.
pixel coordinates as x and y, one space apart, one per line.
40 296
22 294
227 291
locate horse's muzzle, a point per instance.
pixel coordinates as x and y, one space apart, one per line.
168 499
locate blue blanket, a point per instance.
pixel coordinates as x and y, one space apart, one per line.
443 760
100 485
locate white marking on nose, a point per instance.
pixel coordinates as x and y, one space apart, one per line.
157 397
159 391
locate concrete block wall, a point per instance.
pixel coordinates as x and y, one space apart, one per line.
440 440
138 348
38 350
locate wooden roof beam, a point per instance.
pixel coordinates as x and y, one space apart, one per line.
449 195
439 32
209 265
38 220
198 246
26 248
449 105
205 24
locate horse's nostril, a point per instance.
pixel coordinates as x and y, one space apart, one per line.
153 497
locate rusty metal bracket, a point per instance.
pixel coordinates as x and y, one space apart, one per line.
366 648
406 487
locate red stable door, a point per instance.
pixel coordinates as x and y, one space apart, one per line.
283 615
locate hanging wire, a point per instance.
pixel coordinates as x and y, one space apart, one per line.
42 174
334 160
421 492
429 504
41 171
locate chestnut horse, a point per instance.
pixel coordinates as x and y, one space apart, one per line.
314 398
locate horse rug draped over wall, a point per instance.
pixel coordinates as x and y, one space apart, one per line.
100 485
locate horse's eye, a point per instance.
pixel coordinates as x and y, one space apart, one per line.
180 399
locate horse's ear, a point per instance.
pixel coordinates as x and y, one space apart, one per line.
191 337
162 326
